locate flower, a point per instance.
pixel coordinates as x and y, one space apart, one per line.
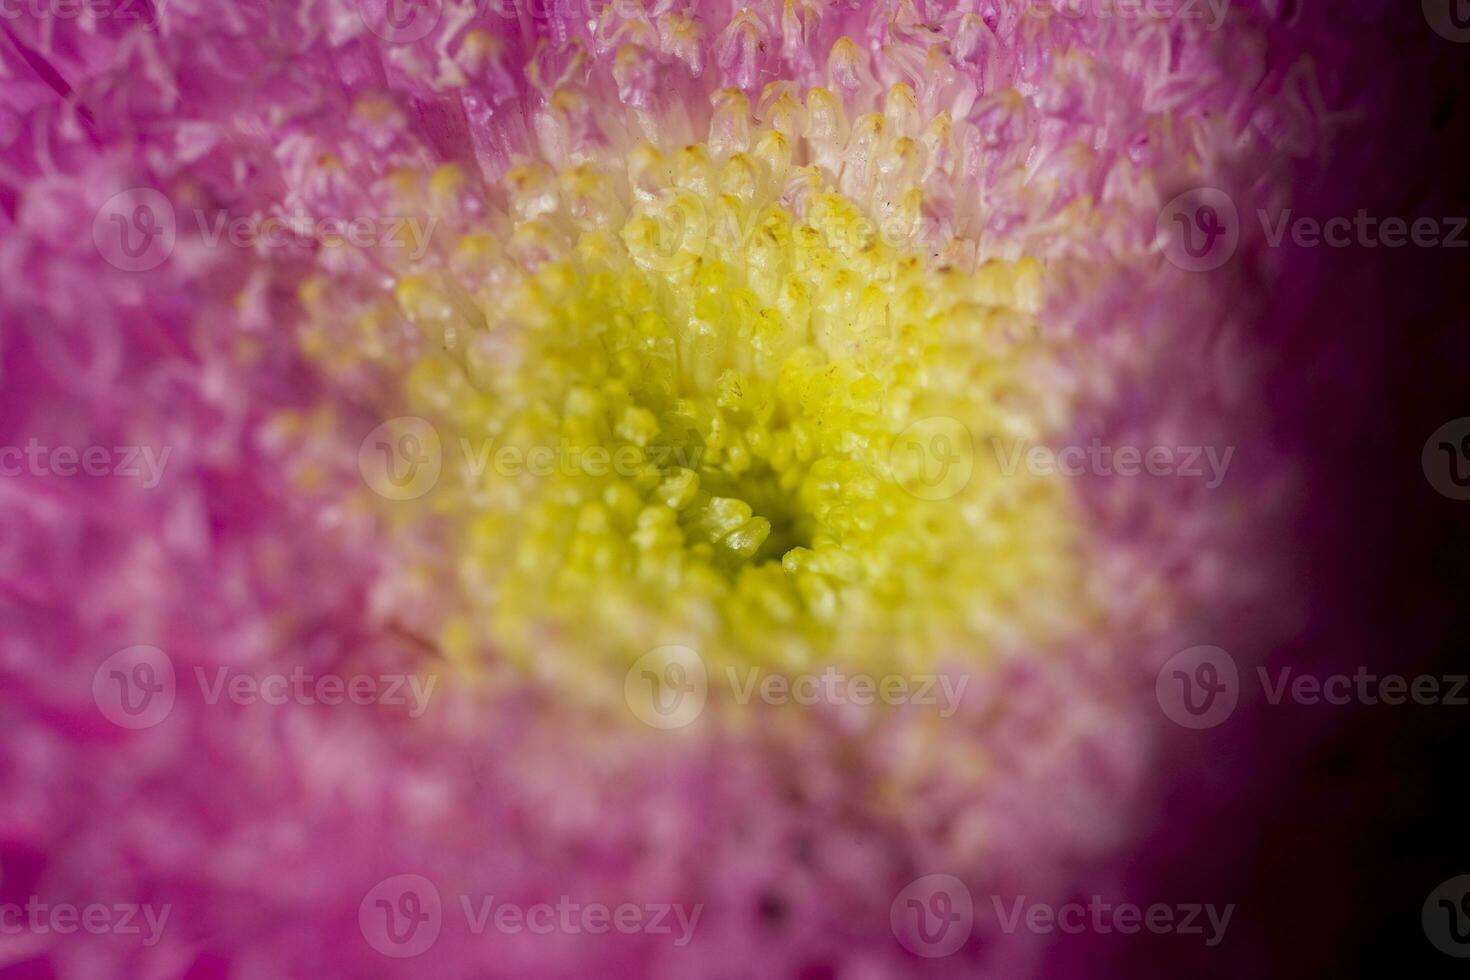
491 348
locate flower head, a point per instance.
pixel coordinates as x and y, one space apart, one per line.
495 348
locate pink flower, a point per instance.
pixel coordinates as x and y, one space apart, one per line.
305 722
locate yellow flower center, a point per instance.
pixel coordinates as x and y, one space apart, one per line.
705 400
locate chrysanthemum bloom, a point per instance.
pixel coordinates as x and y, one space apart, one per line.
854 371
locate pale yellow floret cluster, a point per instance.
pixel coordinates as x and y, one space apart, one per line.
766 430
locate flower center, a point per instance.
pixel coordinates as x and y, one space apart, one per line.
720 408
